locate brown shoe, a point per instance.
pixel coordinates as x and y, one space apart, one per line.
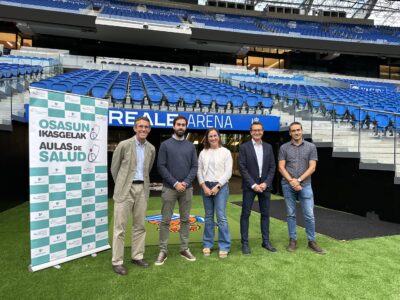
292 245
120 270
314 247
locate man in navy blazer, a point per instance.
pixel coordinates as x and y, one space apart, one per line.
257 167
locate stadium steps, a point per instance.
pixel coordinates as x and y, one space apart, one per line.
375 152
5 115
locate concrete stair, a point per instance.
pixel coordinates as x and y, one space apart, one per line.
375 152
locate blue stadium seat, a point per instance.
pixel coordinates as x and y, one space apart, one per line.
137 95
252 102
237 101
222 100
382 123
205 99
267 103
172 97
154 95
190 99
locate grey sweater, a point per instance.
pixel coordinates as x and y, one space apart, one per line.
177 161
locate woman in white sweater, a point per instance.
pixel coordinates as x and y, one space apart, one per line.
214 172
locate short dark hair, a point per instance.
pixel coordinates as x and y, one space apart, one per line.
206 142
142 118
180 118
256 123
295 123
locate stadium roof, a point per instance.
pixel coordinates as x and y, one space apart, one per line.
383 12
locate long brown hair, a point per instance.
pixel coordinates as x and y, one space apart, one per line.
206 142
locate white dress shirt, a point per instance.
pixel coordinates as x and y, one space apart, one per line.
259 153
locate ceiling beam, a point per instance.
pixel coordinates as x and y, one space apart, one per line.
306 5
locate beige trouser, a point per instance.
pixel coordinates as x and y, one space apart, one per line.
136 204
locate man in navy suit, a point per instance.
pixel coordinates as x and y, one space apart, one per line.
257 167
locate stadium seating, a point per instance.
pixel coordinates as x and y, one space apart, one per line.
120 87
228 22
172 91
74 5
150 14
357 106
346 32
15 70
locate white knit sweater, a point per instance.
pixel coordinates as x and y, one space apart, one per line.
215 165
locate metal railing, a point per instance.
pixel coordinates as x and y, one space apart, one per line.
13 94
351 130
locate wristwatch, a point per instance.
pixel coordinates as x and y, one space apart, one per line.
299 179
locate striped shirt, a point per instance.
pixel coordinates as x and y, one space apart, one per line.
297 158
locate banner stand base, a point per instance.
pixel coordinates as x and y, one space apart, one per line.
69 258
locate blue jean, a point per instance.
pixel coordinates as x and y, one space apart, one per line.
306 198
216 204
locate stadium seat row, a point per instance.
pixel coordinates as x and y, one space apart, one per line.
176 17
156 89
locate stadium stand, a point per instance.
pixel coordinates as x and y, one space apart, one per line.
333 31
150 14
125 12
70 6
142 64
171 91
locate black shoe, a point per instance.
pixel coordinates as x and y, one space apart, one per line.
120 270
246 250
140 262
268 246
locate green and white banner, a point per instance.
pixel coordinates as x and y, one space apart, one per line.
68 177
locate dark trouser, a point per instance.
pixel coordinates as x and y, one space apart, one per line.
264 200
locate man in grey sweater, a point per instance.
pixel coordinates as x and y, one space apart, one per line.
177 165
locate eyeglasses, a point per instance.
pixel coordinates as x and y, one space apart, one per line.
143 126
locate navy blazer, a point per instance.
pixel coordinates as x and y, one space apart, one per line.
248 165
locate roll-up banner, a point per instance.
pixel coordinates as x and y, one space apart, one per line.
67 177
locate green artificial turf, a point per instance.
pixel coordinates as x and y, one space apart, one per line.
152 233
360 269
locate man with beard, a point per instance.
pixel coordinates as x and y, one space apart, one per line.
177 165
